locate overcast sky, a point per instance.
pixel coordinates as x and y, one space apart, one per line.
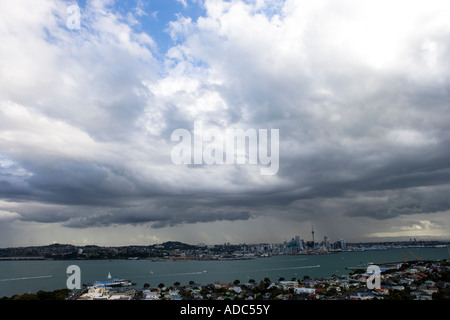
359 91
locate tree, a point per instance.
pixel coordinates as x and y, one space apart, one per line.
204 292
440 295
262 285
25 296
44 295
53 295
236 282
61 294
176 284
161 285
146 285
331 292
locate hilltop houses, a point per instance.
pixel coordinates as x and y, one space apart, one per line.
409 280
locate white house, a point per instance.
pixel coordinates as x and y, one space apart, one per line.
236 289
150 295
304 290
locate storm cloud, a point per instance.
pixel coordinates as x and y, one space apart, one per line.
358 90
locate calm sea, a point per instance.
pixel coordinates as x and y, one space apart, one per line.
18 277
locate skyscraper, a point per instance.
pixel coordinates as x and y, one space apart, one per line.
343 245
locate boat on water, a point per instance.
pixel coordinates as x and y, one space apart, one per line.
114 282
361 265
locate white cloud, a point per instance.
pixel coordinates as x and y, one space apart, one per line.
405 227
183 2
8 216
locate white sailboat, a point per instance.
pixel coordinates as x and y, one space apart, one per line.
109 275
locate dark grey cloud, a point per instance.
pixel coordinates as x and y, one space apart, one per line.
155 215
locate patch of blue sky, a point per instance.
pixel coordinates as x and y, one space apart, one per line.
271 8
153 18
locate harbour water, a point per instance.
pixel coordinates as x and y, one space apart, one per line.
18 277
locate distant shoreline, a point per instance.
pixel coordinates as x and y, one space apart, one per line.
178 251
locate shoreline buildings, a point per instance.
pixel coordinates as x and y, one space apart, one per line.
298 246
418 280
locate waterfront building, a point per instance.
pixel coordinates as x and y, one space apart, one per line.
301 290
343 244
299 243
151 295
340 245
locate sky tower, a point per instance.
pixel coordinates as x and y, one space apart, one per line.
312 232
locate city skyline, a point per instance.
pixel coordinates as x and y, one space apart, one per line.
346 103
290 247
